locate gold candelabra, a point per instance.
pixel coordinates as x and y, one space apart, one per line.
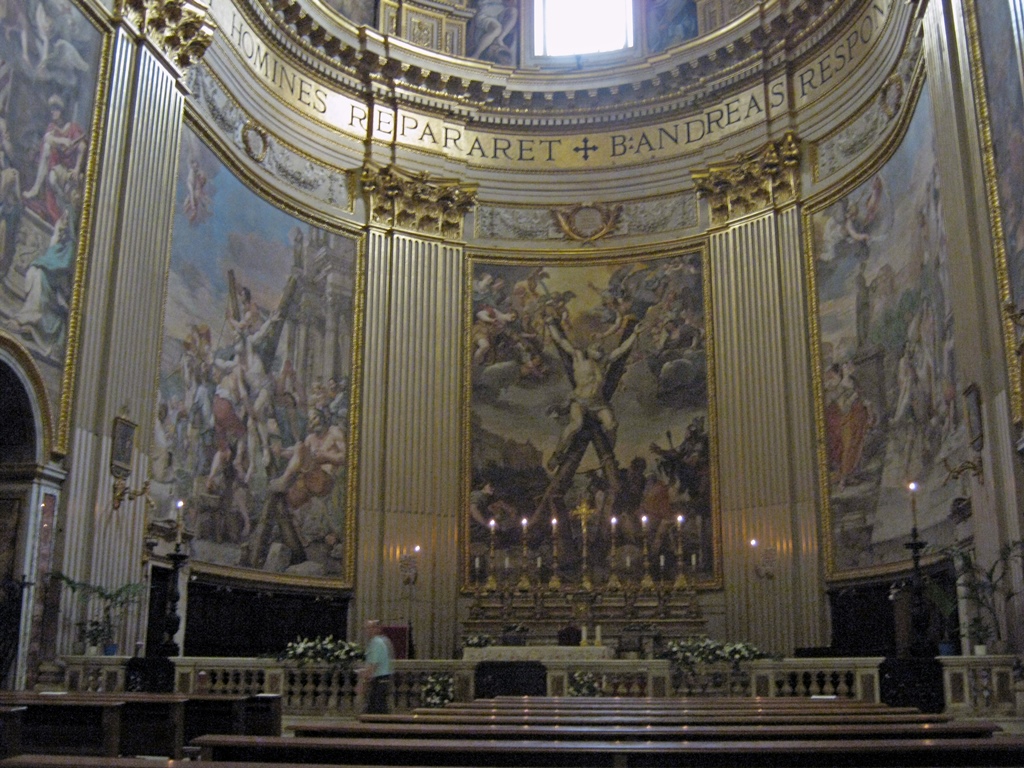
584 512
680 582
524 578
646 583
492 580
554 582
613 584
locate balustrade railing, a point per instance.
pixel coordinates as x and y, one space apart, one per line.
974 685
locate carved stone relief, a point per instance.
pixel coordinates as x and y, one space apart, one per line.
644 217
849 144
279 160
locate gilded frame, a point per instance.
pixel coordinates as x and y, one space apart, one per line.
231 157
474 550
815 208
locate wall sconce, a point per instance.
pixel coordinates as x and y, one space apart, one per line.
121 445
408 566
766 560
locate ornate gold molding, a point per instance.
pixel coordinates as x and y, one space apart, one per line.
415 201
180 29
587 223
769 177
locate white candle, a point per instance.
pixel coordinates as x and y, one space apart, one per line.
597 634
661 561
476 563
693 561
583 636
506 562
627 561
538 562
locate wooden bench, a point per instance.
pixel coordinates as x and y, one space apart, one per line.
79 761
10 730
137 723
67 723
632 732
600 753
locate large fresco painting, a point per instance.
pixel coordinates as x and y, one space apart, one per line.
891 405
49 64
253 425
590 432
1005 101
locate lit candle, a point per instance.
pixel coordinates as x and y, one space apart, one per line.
493 524
554 525
679 522
615 521
643 522
524 526
913 503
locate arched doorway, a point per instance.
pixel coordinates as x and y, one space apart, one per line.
29 492
17 450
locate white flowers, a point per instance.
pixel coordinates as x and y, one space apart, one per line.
326 650
438 689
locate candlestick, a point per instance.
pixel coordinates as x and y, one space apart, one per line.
913 504
613 580
524 579
492 579
646 582
554 582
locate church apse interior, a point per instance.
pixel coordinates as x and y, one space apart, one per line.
320 311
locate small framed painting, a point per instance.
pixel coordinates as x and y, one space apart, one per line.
121 443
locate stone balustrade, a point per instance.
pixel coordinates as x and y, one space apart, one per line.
982 686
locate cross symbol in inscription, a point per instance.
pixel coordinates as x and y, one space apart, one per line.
586 149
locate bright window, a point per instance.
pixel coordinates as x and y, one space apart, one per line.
569 27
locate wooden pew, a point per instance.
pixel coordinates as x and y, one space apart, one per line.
71 724
996 752
80 761
137 723
253 715
10 730
631 732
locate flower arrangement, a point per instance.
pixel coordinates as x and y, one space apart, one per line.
325 650
584 684
438 689
477 641
703 650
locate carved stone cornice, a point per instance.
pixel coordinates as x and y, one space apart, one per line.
180 29
762 38
417 202
767 178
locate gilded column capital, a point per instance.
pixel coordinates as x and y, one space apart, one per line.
766 178
417 202
180 29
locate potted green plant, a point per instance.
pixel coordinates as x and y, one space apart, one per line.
987 589
102 632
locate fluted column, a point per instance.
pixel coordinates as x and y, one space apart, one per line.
410 483
774 589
